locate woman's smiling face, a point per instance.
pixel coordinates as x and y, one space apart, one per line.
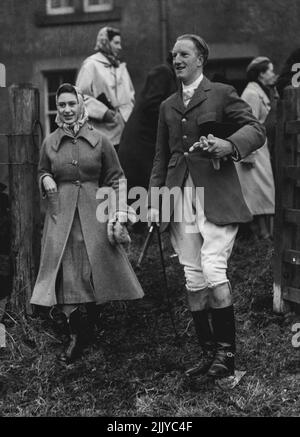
68 107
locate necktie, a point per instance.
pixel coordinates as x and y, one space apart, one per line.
187 95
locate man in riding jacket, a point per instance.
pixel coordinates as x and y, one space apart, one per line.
202 129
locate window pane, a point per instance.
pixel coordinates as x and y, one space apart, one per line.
98 5
52 102
62 3
52 123
53 82
56 7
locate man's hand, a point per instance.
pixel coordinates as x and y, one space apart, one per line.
49 184
216 146
153 216
109 116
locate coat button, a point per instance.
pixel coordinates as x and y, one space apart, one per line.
184 137
74 141
183 120
78 183
74 162
186 153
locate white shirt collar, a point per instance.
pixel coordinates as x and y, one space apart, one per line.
194 84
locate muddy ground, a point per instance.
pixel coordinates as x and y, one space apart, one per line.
136 366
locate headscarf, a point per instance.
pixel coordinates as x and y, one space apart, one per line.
105 35
72 129
256 61
254 66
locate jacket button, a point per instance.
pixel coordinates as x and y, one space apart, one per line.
78 183
74 162
74 141
183 120
186 153
184 137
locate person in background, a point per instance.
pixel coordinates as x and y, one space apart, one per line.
203 233
81 263
106 85
255 171
137 146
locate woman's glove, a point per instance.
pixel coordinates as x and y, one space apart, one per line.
116 229
49 184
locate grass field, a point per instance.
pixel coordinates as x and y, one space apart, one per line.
136 367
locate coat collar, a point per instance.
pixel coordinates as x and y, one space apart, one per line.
99 57
199 96
254 86
87 132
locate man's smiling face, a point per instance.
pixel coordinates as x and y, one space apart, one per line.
186 61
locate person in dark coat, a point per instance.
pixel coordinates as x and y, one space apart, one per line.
137 145
190 156
80 264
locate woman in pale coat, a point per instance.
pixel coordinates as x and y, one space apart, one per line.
80 264
255 172
106 85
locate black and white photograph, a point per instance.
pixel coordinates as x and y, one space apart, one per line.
149 211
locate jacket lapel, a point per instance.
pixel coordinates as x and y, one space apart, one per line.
200 94
199 97
177 102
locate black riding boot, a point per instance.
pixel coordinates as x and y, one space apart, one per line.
224 334
74 347
205 339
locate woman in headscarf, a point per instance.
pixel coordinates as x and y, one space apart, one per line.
255 171
82 263
106 84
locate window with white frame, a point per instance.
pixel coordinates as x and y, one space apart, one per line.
57 7
53 79
97 5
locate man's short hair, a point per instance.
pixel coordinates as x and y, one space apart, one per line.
200 44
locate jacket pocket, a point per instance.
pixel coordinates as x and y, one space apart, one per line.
204 118
53 204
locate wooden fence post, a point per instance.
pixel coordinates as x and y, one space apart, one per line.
287 212
25 211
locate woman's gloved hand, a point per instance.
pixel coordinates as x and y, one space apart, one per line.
116 229
109 116
49 184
